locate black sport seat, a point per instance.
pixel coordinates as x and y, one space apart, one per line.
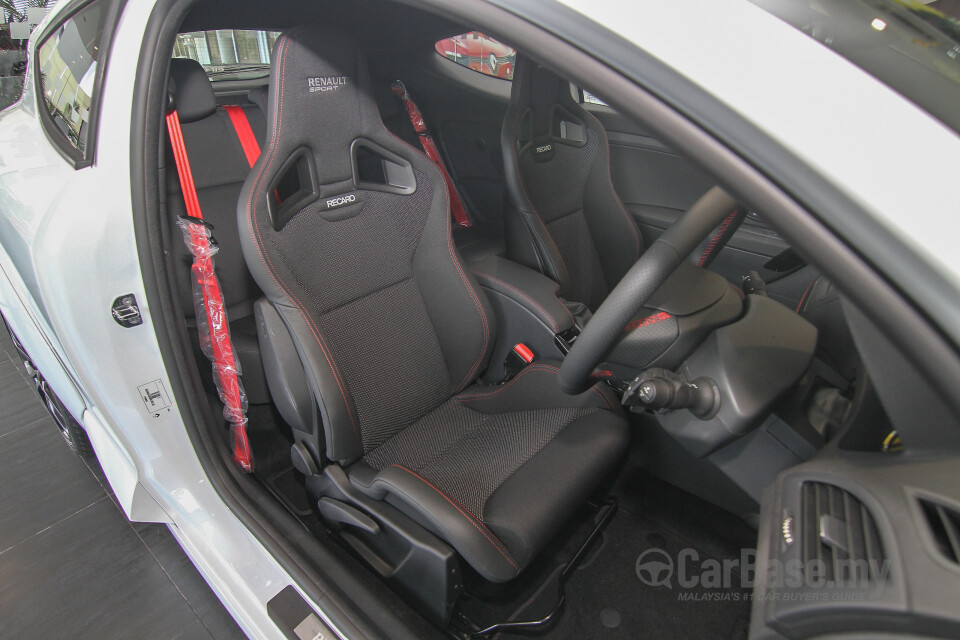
564 217
392 332
219 167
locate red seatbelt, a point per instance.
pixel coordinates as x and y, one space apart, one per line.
215 336
457 209
242 126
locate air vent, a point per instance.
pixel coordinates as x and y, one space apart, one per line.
839 538
945 526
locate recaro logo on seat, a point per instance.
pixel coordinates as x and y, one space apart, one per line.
340 201
544 148
326 83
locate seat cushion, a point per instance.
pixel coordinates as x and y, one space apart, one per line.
496 470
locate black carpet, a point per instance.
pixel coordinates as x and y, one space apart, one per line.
606 597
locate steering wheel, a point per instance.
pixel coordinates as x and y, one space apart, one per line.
639 283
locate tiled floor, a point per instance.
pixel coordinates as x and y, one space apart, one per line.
71 565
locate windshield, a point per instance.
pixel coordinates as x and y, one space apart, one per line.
229 54
912 46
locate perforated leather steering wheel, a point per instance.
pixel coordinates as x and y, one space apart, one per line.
639 283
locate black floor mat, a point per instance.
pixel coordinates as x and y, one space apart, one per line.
606 597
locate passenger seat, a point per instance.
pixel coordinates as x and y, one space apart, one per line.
219 167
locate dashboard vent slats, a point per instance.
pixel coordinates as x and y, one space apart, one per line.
840 544
945 527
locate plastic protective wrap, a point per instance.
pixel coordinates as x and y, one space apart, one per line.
214 333
208 303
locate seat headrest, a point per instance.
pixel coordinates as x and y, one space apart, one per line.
191 90
320 100
546 105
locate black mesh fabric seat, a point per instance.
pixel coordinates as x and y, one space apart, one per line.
392 332
219 167
564 217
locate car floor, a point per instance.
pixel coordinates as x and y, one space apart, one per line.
605 597
71 564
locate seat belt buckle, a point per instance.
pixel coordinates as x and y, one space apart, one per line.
518 358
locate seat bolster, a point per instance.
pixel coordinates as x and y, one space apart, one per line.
536 387
533 503
547 257
341 425
430 506
615 233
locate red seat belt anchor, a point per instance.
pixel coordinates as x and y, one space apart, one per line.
524 352
518 358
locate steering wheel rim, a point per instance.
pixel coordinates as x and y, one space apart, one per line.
639 283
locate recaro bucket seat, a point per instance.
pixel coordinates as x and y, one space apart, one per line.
564 217
346 228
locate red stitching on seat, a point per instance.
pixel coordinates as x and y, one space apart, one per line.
613 189
453 257
549 318
602 397
265 259
556 294
516 163
472 519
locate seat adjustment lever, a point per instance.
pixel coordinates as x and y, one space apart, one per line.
339 512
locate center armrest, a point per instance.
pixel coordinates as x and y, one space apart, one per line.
532 290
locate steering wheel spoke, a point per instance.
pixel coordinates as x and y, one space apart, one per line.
636 287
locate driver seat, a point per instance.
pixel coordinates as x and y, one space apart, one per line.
346 228
563 216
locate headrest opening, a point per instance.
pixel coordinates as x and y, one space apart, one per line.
326 140
549 114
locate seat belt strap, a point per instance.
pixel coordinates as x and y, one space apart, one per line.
242 126
457 209
208 300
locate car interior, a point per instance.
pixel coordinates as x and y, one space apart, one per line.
489 420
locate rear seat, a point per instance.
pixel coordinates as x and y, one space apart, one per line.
219 168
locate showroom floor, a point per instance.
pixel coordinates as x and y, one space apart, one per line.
71 565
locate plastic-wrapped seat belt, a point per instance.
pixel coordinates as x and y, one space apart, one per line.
457 210
208 301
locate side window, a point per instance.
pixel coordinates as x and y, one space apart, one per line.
13 64
69 60
479 52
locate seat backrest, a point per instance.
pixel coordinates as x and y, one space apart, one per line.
346 230
219 167
565 218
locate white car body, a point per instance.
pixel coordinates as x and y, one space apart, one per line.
68 249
